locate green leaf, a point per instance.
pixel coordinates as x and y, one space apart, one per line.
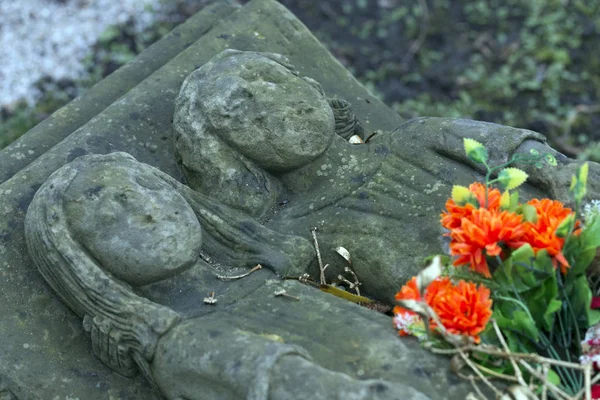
550 160
565 228
526 270
529 213
580 298
543 301
475 150
516 325
549 313
593 317
582 262
553 377
591 234
582 249
514 200
511 178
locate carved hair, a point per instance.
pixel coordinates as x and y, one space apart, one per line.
124 326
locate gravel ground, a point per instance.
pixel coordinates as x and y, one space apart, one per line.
51 38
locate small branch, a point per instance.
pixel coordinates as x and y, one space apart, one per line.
232 278
479 374
322 268
545 369
283 293
592 382
518 373
474 384
553 388
351 285
587 378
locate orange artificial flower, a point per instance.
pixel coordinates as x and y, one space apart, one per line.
403 318
541 235
463 309
408 292
454 213
481 234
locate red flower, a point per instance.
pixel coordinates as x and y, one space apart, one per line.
595 392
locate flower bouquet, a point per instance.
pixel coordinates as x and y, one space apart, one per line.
513 300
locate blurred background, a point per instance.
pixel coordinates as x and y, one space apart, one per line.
532 64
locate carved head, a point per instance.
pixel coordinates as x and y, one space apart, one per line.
257 104
77 223
106 223
132 222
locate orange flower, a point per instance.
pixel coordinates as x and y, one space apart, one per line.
454 213
463 309
541 235
404 318
435 287
481 234
408 292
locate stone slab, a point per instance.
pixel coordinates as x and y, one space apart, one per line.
44 353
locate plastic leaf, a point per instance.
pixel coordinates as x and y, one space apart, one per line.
593 317
511 178
517 327
579 182
462 195
553 377
580 298
583 173
475 150
529 213
550 160
505 200
565 227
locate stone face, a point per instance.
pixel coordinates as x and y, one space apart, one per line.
356 195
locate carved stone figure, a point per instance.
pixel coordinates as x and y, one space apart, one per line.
119 240
266 157
261 138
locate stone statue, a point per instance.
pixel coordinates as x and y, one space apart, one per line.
267 159
261 138
118 241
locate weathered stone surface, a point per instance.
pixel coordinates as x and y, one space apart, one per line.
45 351
258 137
59 125
251 344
